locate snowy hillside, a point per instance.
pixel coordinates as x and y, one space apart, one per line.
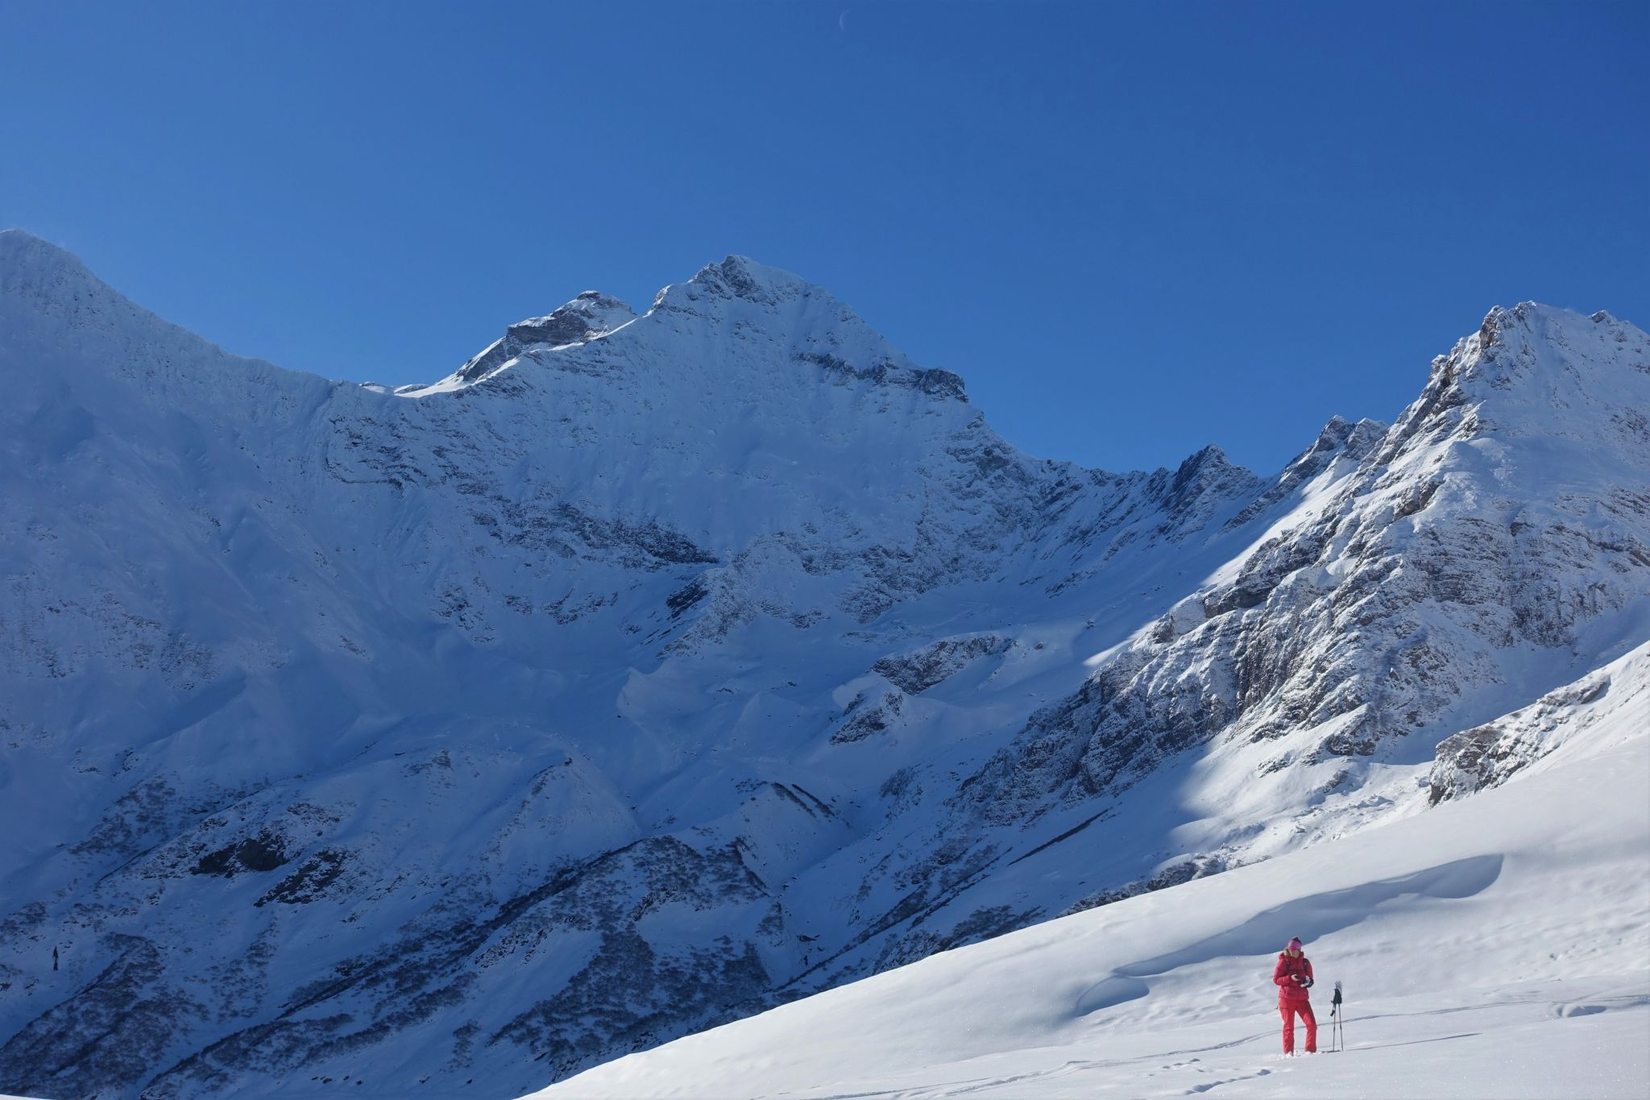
650 670
1497 947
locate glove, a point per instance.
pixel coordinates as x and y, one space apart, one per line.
1305 982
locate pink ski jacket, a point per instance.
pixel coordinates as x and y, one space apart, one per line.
1291 992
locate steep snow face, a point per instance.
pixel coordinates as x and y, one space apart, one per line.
647 671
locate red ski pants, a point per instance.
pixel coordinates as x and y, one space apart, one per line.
1311 1021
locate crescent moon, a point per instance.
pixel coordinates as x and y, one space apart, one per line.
842 21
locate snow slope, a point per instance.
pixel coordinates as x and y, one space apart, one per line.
648 671
1497 947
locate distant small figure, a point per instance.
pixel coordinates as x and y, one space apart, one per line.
1293 977
54 958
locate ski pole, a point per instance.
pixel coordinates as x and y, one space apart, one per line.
1337 1037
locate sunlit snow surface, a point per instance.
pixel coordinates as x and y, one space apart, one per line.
1495 947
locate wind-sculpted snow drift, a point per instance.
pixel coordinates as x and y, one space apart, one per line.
648 671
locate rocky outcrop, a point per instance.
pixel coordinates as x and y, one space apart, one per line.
1385 612
914 673
586 317
1488 755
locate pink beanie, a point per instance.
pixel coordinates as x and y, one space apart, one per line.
1295 944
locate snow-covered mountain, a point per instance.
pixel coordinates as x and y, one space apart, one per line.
1499 947
648 671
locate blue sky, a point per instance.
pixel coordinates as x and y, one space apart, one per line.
1133 228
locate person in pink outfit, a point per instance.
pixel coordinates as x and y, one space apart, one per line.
1293 977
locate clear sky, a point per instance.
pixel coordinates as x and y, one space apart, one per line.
1134 228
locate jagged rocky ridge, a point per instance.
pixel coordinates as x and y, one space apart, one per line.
649 670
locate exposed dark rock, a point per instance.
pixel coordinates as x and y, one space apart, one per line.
1487 756
1199 485
580 319
1184 871
263 852
863 721
936 383
310 881
570 532
915 673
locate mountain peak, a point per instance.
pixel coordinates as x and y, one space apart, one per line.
41 268
743 277
1342 435
1534 371
19 243
589 315
1202 479
1526 320
737 278
1538 345
771 316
